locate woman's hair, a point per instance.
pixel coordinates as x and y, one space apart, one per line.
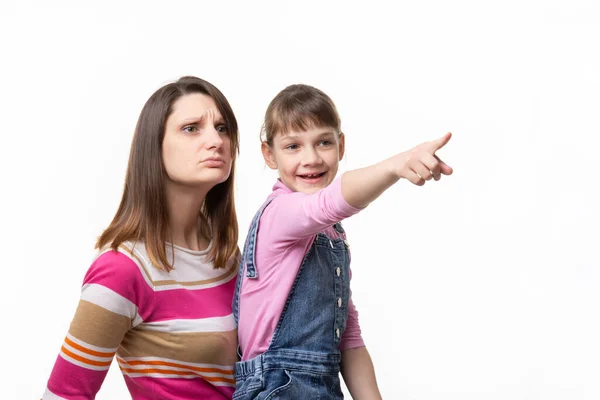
142 214
298 108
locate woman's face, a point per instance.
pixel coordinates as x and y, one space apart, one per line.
196 148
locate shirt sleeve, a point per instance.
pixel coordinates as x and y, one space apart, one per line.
297 215
107 309
352 337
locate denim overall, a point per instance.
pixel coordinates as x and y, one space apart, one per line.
303 358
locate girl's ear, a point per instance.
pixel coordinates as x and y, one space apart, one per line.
342 147
267 153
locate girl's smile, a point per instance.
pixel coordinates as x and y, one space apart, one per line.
307 161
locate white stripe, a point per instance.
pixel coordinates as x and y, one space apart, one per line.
223 384
86 355
48 395
90 346
108 299
189 271
216 324
83 365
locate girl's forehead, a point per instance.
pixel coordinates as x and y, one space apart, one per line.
310 133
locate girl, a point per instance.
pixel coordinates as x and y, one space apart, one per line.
298 327
159 293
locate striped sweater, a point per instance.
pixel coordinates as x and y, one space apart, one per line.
173 334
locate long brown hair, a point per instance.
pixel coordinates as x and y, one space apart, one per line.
142 214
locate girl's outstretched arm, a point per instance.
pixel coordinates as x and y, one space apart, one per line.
361 186
359 374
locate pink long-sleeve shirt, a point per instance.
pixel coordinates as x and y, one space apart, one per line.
286 232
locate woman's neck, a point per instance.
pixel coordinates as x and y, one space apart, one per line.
183 205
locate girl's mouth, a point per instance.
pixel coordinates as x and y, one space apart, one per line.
312 178
309 176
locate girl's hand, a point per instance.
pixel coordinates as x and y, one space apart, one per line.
420 164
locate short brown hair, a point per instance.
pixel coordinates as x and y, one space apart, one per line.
142 214
299 107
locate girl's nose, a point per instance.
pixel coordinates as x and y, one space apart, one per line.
310 157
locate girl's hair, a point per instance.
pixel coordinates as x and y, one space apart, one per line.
142 214
298 108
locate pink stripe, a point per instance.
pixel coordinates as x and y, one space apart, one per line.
193 304
119 273
73 382
176 389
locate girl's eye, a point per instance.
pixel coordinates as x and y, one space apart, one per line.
326 143
190 129
291 147
222 128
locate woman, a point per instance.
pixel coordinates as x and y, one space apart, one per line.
158 296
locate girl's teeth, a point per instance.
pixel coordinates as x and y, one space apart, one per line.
312 176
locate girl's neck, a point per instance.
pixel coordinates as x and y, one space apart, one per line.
183 205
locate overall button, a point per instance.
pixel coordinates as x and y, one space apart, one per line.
331 244
338 271
339 301
337 332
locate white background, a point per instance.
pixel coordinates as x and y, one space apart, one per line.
482 286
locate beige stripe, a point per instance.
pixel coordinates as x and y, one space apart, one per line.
229 272
98 326
194 347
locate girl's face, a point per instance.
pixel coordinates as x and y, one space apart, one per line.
307 161
196 148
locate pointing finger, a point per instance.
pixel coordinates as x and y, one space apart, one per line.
439 143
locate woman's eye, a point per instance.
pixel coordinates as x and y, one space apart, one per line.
190 129
222 128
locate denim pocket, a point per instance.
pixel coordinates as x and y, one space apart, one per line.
248 388
287 383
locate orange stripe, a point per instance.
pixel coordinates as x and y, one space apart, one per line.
171 372
172 364
88 351
85 360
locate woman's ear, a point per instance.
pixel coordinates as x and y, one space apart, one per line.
268 155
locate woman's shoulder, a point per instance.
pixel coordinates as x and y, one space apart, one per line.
115 267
